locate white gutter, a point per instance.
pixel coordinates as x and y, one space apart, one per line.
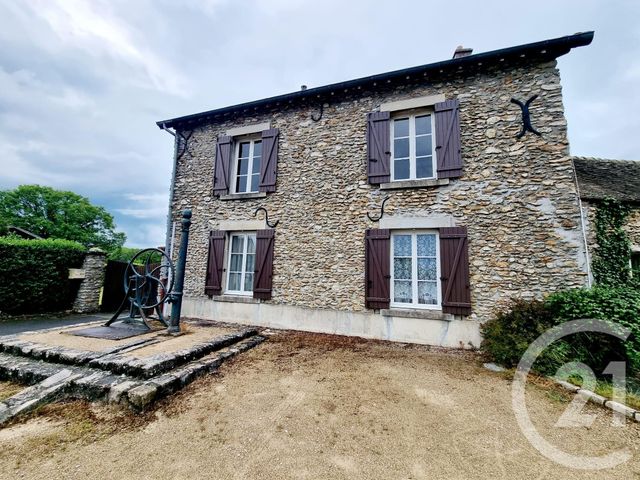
168 238
584 229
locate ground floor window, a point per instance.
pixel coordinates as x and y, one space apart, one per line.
415 269
242 252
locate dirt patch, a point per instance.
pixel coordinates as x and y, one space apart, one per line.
62 338
9 389
321 407
192 336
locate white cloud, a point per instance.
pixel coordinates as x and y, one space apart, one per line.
147 206
96 29
82 82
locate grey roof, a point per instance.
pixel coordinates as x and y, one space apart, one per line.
599 178
539 51
23 233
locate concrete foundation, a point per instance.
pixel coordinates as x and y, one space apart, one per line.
446 332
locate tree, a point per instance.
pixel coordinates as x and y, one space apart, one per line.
54 213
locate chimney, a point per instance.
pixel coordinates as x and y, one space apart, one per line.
462 52
303 87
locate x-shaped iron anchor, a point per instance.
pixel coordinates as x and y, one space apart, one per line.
526 117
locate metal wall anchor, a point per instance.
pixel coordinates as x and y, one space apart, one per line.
266 217
526 117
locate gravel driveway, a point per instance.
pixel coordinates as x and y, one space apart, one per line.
318 407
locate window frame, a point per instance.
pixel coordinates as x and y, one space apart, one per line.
411 115
252 139
414 271
229 253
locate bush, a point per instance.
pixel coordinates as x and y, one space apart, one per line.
510 332
34 274
508 335
619 306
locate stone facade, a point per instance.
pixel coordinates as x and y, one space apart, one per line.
633 227
88 298
517 197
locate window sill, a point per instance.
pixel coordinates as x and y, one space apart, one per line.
431 182
417 313
243 196
235 299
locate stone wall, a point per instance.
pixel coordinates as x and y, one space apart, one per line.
88 297
633 226
516 196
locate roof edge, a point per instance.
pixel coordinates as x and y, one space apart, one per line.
547 49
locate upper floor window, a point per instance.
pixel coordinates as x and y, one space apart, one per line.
248 154
415 269
412 147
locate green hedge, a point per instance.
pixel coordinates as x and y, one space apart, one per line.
507 336
34 275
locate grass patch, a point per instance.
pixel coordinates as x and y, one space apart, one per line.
605 388
9 389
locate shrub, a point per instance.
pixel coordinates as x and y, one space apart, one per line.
619 305
34 274
508 335
511 331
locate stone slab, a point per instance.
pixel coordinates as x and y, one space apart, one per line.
113 332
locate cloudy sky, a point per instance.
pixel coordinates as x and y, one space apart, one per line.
83 82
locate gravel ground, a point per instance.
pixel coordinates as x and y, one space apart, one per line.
310 406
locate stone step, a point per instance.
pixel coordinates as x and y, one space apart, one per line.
147 367
118 360
52 381
48 390
89 383
165 384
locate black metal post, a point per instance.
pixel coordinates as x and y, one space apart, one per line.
176 296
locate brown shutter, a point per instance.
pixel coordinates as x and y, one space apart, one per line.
221 172
378 147
448 155
263 274
269 160
215 259
377 268
454 268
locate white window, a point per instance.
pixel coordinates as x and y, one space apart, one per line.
412 147
415 270
242 253
246 169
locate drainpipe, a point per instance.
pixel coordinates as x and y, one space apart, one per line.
584 229
168 239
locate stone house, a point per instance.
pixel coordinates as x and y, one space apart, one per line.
618 179
474 213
